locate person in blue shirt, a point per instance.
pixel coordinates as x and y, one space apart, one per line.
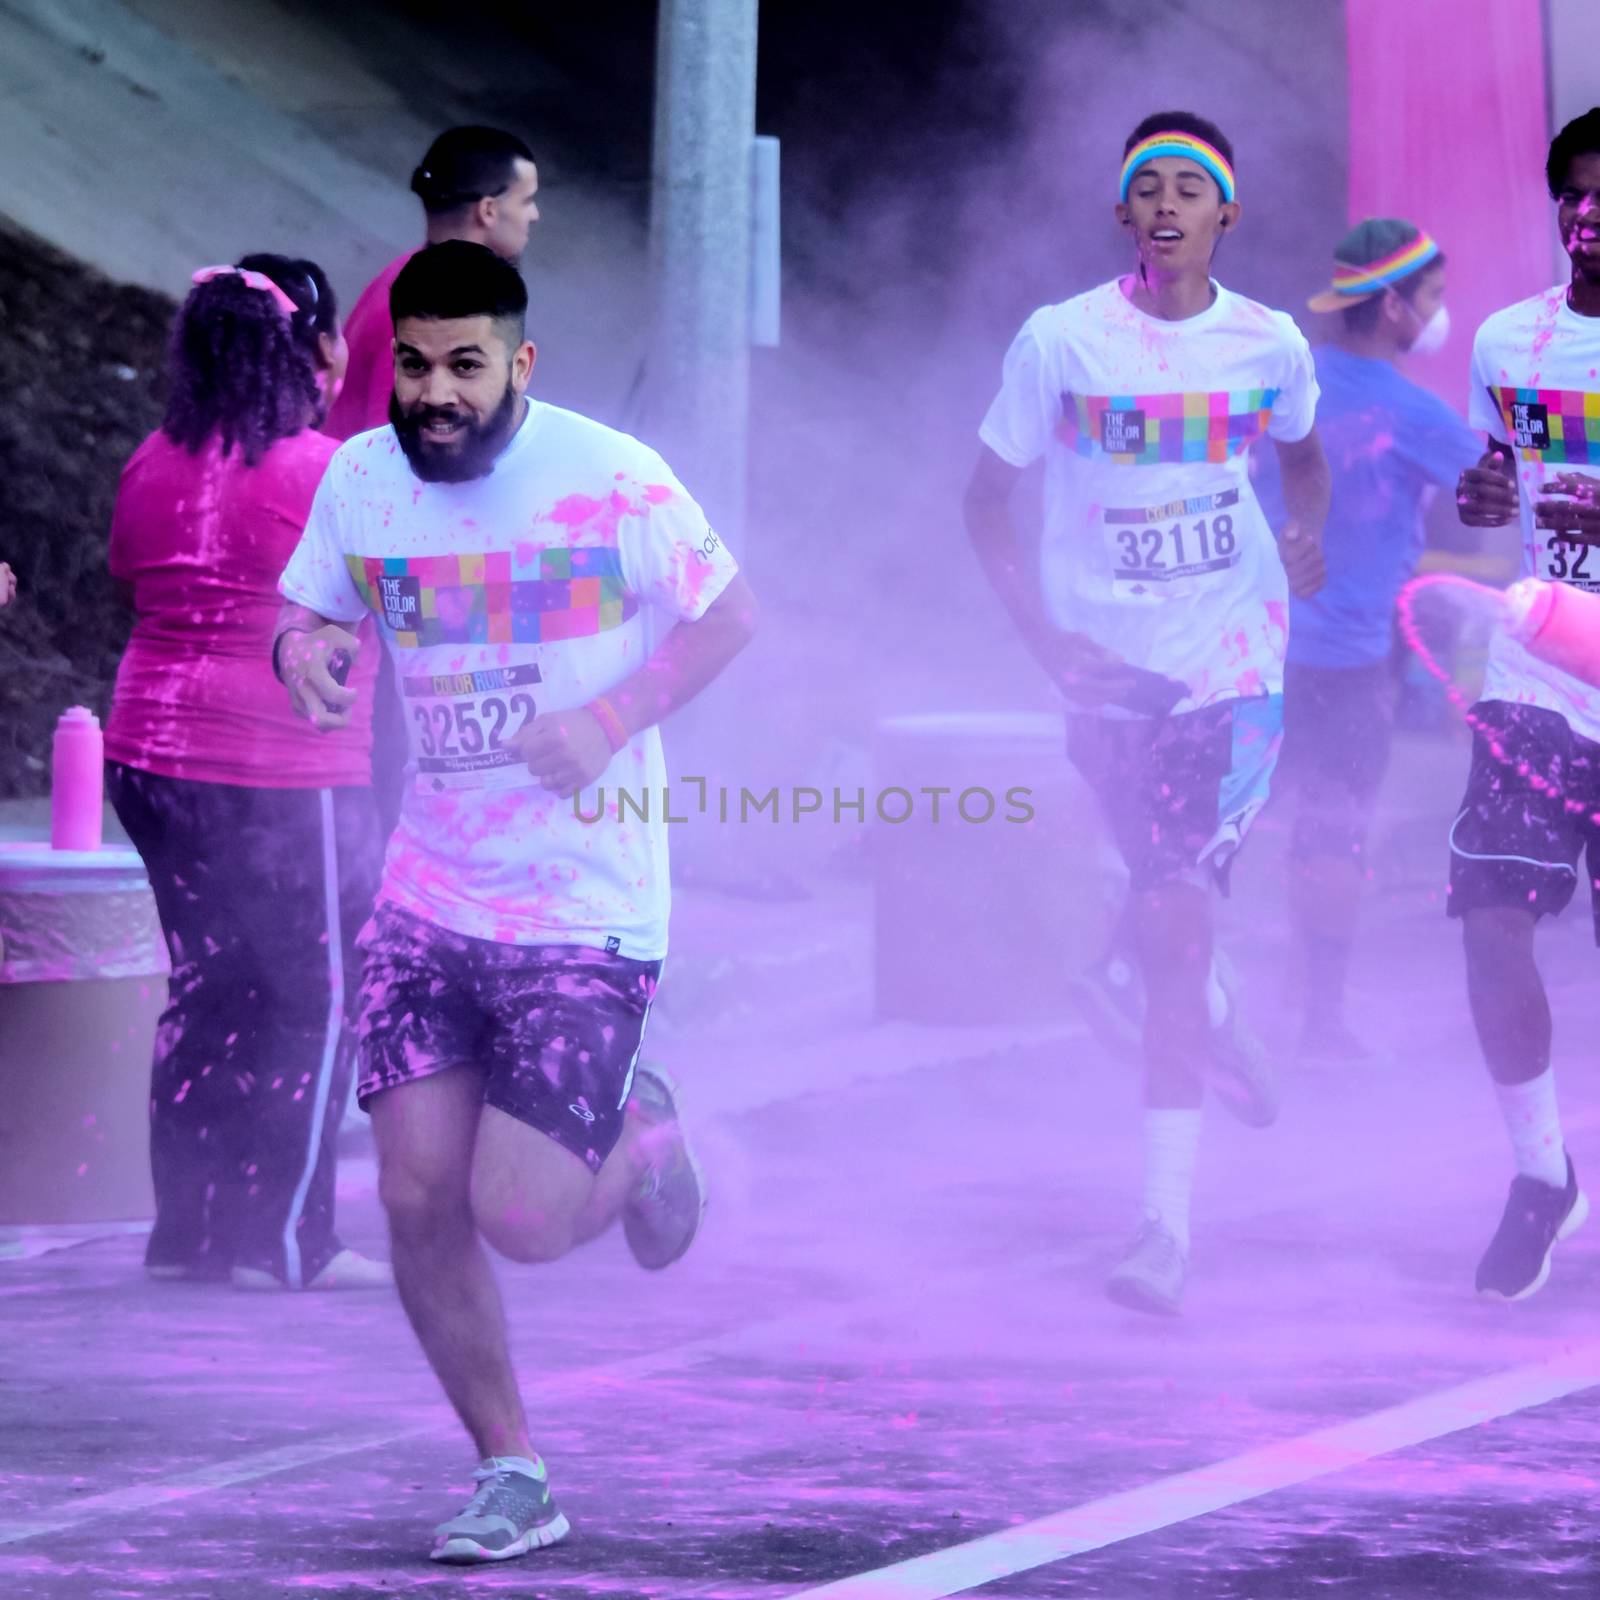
1390 445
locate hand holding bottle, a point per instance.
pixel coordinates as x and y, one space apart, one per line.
314 664
1573 510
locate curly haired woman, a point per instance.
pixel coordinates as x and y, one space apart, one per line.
258 834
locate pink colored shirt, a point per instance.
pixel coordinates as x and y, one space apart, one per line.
363 403
201 540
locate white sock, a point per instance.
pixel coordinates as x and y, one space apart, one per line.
1535 1127
1216 997
1171 1142
530 1466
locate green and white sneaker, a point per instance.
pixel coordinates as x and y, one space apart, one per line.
662 1216
511 1514
1151 1276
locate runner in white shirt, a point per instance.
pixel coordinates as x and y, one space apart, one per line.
508 551
1161 607
1515 847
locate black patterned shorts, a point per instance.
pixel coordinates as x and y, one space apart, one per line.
555 1030
1515 844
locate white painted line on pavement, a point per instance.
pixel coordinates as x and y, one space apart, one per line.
329 1446
913 1053
217 1475
1197 1493
748 1336
746 1339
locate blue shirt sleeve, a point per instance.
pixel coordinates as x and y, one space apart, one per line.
1434 439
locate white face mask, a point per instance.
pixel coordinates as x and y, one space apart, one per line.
1432 334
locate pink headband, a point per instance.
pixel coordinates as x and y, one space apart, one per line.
253 280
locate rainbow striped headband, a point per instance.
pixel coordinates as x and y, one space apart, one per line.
1352 280
1177 144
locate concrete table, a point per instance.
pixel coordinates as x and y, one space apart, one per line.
82 984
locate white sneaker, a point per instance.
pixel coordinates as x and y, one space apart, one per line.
348 1270
1151 1275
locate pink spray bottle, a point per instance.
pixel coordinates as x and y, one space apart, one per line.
1557 623
77 781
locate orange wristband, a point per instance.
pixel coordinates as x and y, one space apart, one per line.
605 714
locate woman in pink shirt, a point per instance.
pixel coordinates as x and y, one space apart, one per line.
258 833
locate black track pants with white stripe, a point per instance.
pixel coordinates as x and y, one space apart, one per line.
261 894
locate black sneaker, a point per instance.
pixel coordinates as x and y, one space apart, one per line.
1537 1216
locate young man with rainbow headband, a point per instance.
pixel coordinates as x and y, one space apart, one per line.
1515 847
1160 609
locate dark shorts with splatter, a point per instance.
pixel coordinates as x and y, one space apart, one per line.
1529 822
1179 793
554 1030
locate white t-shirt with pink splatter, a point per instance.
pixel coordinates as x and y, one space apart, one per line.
1154 544
1534 387
518 593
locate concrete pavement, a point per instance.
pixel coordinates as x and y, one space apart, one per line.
891 1338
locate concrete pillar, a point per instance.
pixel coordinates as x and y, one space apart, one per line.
697 389
698 382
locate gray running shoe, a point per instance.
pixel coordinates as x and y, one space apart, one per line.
1240 1072
1151 1276
662 1215
511 1514
1110 997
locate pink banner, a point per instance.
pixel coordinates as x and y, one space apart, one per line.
1448 130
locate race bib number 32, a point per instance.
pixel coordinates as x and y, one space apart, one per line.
1562 561
460 727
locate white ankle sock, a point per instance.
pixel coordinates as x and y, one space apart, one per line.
1171 1142
1535 1127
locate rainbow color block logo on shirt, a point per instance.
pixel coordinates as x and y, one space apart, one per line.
495 597
1552 425
1147 430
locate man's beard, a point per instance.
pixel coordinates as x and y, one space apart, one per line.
475 454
